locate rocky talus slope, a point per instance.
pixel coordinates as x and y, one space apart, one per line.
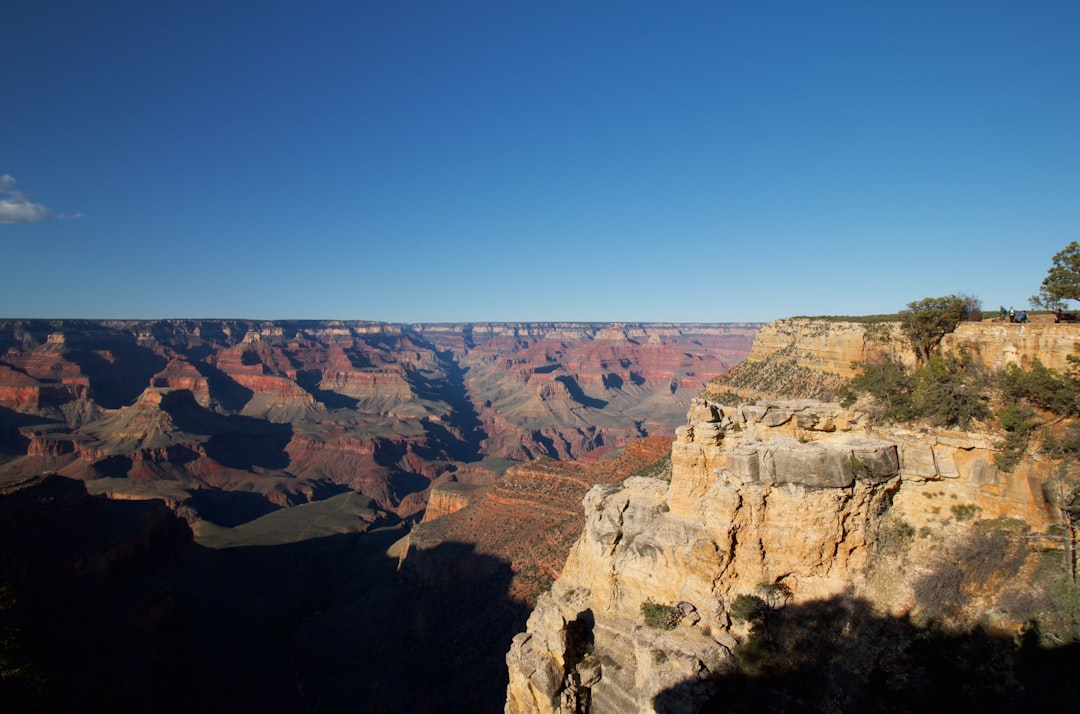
812 514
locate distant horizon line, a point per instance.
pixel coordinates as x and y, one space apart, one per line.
384 322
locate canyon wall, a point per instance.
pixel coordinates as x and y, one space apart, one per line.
801 506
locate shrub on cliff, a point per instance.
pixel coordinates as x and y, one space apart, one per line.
1019 422
1042 387
748 608
888 382
660 617
949 390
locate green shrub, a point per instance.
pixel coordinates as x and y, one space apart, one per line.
949 390
889 382
1018 421
748 608
660 617
1065 446
964 511
1041 386
757 655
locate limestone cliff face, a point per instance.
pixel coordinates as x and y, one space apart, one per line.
788 498
996 344
804 357
737 513
807 357
824 346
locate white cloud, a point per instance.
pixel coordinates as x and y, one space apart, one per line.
16 207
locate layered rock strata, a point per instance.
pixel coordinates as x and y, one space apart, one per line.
294 409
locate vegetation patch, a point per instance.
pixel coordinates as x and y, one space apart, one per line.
964 511
723 397
948 390
779 376
748 608
660 617
660 469
860 319
894 536
970 567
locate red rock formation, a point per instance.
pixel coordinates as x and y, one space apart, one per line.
181 374
285 409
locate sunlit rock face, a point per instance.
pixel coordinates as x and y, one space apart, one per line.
997 343
288 411
748 507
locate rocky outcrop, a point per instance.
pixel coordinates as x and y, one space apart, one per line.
791 501
749 510
448 498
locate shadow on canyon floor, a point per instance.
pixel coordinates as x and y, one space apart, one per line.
322 625
836 656
116 381
12 442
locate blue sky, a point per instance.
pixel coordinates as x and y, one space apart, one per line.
469 161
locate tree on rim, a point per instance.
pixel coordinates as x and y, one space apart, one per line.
926 322
1062 281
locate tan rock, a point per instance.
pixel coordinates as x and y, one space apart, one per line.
740 514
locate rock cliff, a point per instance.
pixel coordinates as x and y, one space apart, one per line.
807 357
797 503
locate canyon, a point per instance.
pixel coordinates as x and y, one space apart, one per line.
236 504
227 420
772 549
